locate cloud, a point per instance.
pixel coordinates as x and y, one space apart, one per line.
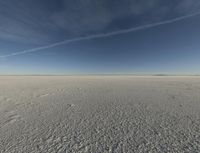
188 5
47 21
102 35
79 17
25 21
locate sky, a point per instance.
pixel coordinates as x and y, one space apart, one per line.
99 37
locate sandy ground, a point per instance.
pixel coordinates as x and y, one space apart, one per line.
99 114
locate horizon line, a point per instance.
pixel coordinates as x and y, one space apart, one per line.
99 74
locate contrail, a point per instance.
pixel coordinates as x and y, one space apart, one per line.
101 35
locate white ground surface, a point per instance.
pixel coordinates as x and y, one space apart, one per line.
99 114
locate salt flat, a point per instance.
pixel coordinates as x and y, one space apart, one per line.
99 114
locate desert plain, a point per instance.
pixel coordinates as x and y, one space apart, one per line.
99 114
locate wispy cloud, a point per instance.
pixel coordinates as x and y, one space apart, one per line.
47 21
102 35
187 5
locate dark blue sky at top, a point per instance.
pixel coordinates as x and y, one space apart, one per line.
171 48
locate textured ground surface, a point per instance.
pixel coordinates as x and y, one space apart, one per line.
99 114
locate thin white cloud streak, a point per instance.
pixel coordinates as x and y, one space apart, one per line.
101 35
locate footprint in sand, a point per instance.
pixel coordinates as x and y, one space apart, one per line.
43 95
6 99
71 105
12 117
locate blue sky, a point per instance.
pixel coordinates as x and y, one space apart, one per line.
170 48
